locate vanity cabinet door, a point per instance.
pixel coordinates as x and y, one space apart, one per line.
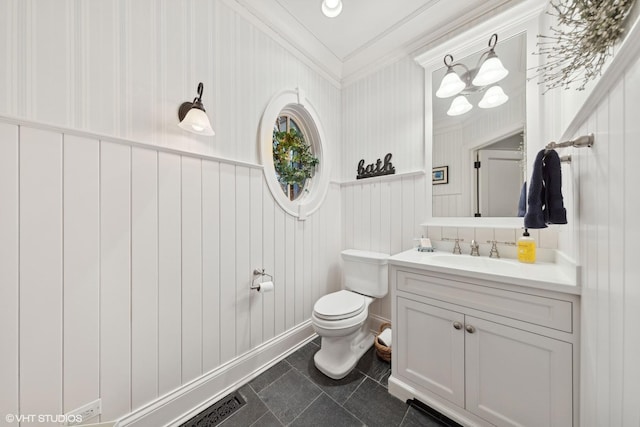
517 378
431 348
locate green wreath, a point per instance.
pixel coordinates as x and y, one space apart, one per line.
292 158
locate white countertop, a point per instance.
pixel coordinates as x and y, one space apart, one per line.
561 276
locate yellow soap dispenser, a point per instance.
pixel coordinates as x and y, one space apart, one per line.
526 248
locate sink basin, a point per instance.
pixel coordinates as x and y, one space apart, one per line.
495 265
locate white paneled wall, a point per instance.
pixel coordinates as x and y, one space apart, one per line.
122 69
383 215
41 271
604 209
133 268
383 113
129 264
9 269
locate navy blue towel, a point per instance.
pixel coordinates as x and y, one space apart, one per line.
545 203
534 218
554 211
522 203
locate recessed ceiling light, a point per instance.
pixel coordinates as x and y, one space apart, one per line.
331 8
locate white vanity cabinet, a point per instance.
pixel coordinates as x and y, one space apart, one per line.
484 352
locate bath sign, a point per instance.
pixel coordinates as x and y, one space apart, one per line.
376 169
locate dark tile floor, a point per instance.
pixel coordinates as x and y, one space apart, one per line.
294 393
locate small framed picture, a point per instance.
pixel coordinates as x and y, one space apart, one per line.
440 175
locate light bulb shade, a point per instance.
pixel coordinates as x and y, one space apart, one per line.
459 106
491 71
450 85
494 97
331 8
196 121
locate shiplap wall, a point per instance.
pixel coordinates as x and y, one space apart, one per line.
114 284
383 113
603 203
126 270
383 215
122 68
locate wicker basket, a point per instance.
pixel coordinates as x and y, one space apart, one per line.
383 352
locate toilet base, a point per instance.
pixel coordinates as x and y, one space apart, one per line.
339 355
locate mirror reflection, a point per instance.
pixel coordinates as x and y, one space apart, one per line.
479 131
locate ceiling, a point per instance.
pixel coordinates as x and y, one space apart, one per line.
367 32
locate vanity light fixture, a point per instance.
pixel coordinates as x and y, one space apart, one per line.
493 97
451 84
491 70
193 117
459 106
331 8
488 71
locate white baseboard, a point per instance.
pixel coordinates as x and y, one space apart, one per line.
192 398
376 321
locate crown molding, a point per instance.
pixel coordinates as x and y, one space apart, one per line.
395 43
401 43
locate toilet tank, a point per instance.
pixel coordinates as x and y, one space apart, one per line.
365 272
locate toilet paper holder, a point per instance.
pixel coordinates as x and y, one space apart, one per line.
261 273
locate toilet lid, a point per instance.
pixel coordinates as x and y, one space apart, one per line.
339 305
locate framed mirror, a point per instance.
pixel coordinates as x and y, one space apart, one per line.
483 148
493 138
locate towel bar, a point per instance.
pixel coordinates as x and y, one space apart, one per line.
581 141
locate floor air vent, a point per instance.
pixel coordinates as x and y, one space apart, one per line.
218 412
432 413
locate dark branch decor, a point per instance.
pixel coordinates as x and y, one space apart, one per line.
292 158
581 42
376 169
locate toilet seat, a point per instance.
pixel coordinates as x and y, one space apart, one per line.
339 305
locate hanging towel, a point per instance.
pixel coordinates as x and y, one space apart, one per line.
554 211
522 203
534 218
545 203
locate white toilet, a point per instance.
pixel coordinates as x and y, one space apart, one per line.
340 318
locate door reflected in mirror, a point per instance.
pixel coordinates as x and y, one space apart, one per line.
484 148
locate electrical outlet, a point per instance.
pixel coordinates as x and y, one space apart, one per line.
84 413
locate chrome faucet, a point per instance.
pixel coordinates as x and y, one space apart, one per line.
475 248
456 246
494 249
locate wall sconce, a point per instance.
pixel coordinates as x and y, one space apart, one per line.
488 71
192 116
331 8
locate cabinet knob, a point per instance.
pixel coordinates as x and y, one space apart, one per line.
470 329
457 325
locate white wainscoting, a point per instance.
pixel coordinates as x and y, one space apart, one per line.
126 268
602 183
383 215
